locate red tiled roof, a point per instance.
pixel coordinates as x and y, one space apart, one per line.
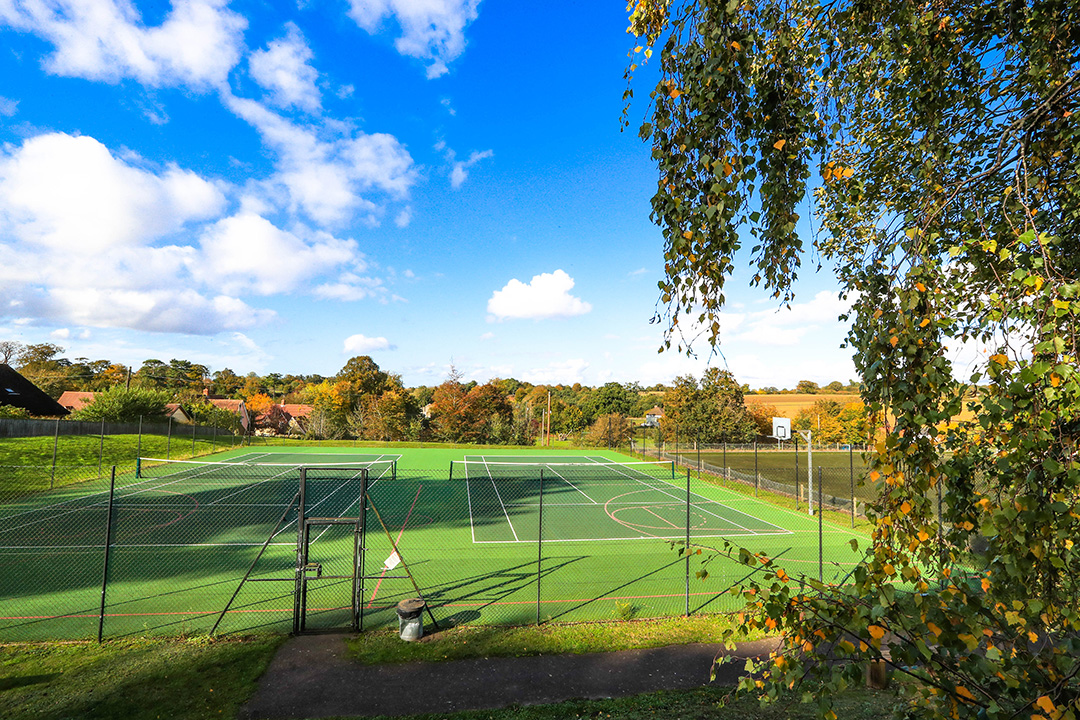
227 404
657 411
76 400
296 409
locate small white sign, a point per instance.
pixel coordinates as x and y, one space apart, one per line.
392 562
781 428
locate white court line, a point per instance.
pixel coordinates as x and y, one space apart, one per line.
559 475
499 495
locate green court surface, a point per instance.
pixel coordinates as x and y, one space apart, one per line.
504 537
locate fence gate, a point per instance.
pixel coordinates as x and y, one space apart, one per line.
329 549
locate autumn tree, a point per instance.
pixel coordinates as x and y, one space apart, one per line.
939 143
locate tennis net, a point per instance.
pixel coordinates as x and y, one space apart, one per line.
601 472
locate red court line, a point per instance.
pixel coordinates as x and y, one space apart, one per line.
374 592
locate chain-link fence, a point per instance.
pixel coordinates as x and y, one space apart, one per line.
227 548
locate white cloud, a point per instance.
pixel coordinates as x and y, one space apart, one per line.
459 170
487 336
431 30
71 193
91 239
635 273
328 173
351 287
546 296
404 217
564 372
248 253
8 107
282 70
60 333
197 44
363 344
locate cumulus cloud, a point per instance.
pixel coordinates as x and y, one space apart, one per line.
92 239
328 173
546 296
431 30
247 253
283 70
63 190
363 344
197 44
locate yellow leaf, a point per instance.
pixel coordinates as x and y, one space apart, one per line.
848 172
874 475
688 234
934 629
736 46
920 287
923 536
675 92
905 507
1046 704
986 585
925 322
964 692
1000 359
779 144
876 631
893 340
1033 637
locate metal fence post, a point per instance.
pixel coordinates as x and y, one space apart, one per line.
56 440
755 470
101 448
138 446
796 439
168 442
688 542
192 439
539 544
851 465
820 529
105 563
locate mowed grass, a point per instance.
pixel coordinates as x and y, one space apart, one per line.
26 463
134 679
467 641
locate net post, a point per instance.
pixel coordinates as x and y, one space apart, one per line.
539 544
796 439
451 470
138 467
688 542
105 563
138 447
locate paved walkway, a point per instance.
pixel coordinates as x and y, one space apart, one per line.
311 677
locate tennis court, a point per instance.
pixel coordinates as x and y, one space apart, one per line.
504 537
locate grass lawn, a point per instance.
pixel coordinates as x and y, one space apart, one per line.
184 678
133 680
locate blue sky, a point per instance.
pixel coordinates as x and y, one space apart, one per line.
278 186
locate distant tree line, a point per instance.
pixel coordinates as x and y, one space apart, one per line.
365 402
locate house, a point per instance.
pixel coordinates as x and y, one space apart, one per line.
74 400
652 417
17 391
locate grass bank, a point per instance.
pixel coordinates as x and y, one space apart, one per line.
133 679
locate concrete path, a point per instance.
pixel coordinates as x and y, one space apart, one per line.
311 677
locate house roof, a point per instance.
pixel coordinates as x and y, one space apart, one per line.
227 404
75 399
297 409
17 391
657 411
